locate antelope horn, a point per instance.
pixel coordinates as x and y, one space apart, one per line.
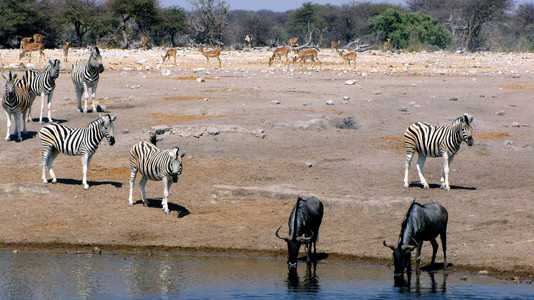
280 237
389 246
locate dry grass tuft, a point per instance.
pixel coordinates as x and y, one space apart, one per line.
491 135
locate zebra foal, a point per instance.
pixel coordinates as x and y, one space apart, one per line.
155 164
85 75
56 138
16 102
436 141
43 84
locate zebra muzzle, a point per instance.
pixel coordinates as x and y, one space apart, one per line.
111 141
175 177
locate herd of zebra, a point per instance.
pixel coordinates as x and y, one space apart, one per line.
165 165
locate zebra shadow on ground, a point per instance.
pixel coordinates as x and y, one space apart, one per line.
437 186
182 211
45 121
91 183
25 136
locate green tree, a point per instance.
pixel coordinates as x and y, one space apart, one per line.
173 22
410 30
135 15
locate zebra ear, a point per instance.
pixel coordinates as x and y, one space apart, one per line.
114 118
4 75
468 118
174 152
182 154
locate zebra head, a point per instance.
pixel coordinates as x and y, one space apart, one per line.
467 130
53 69
176 163
95 59
10 85
107 128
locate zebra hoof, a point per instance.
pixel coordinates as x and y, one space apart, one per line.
130 205
86 188
54 181
166 212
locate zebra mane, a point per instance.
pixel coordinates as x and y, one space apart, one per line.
406 219
153 138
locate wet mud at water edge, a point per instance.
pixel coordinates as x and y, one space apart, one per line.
258 136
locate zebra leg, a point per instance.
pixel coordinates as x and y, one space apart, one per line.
166 187
407 164
48 157
86 160
49 108
142 184
421 158
133 174
93 95
79 92
17 125
85 96
8 125
447 160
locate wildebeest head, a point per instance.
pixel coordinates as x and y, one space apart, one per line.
108 128
293 246
95 59
467 130
402 257
176 162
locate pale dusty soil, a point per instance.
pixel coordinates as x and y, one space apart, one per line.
490 204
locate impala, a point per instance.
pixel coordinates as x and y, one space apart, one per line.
144 42
25 41
28 48
65 48
307 54
170 53
211 53
37 38
350 56
278 53
293 41
387 44
334 45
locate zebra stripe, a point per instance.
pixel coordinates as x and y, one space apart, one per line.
56 138
85 75
436 141
16 102
157 165
43 84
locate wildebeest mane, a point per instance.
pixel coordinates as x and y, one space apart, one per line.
406 220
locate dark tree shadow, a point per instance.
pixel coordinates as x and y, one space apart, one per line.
437 186
91 183
182 211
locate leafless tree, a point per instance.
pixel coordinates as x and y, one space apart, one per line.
209 19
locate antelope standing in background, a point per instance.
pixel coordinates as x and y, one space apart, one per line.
293 41
334 45
348 57
65 48
278 53
387 44
170 53
211 53
307 54
144 42
28 48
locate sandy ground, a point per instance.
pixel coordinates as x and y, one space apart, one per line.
269 129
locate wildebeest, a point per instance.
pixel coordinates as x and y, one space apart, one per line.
421 223
304 223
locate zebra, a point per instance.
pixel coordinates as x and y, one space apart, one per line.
56 138
16 101
85 74
43 84
436 141
155 164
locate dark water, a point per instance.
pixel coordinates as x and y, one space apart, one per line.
60 275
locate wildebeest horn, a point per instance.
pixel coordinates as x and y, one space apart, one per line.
280 237
408 247
304 239
389 246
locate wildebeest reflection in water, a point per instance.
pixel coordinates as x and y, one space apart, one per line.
405 286
310 282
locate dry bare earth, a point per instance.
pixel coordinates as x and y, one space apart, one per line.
271 129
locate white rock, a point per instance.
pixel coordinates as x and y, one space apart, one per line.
200 79
350 82
329 102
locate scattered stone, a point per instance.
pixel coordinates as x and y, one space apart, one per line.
329 102
500 113
126 131
165 72
453 99
206 99
200 79
350 82
14 251
378 93
309 165
212 130
483 272
275 102
405 109
97 250
307 104
160 129
346 98
515 124
344 122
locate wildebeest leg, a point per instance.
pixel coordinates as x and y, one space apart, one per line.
142 184
434 250
447 160
443 237
407 163
418 256
133 174
421 158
